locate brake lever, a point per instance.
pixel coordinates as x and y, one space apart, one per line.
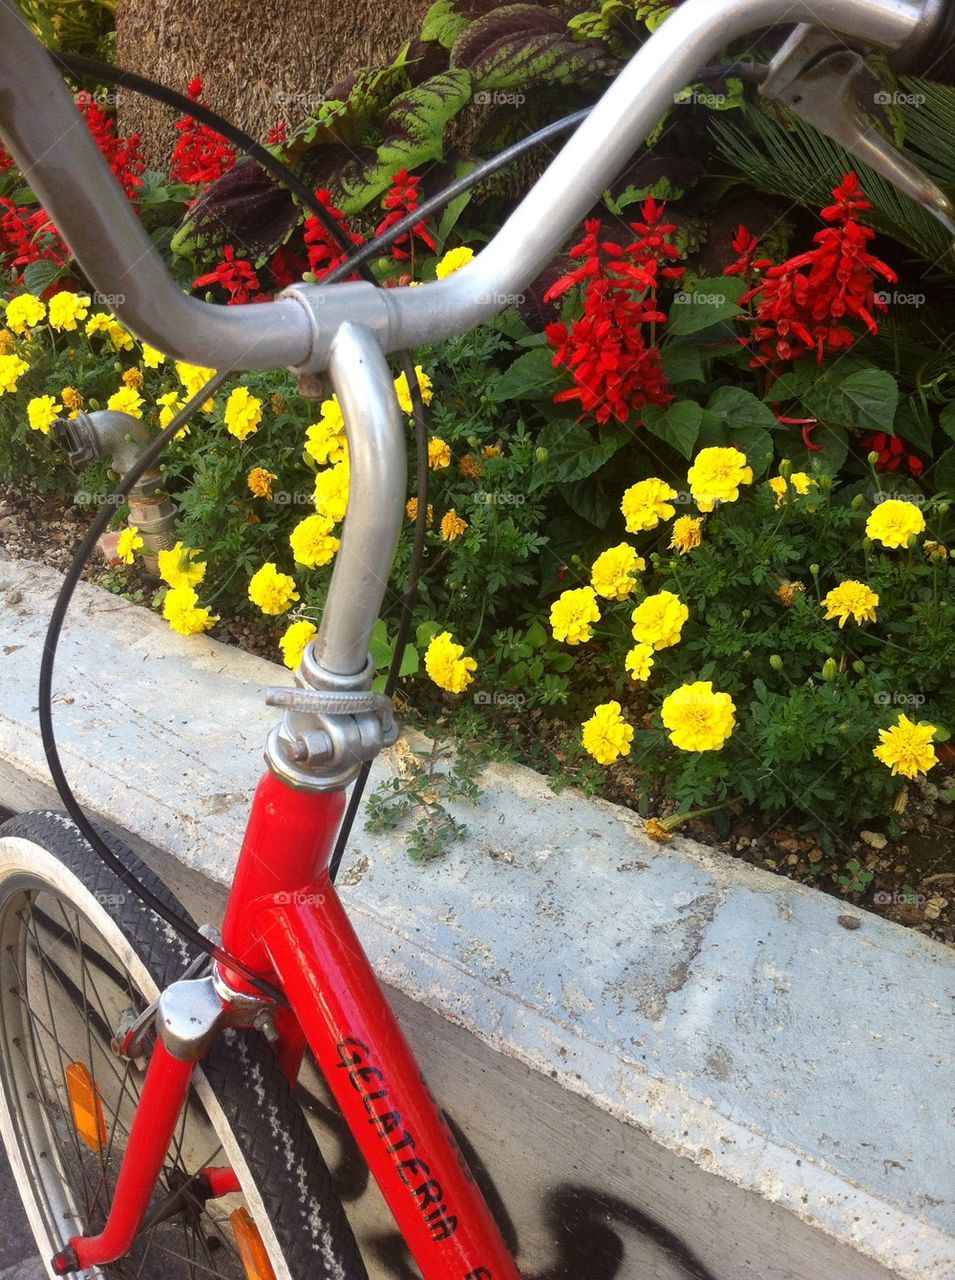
815 76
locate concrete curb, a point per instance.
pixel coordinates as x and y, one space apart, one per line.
719 1009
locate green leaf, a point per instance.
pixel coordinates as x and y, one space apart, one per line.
426 632
740 409
707 303
532 376
943 473
38 276
562 662
590 499
414 123
913 423
442 23
946 420
519 46
679 426
682 364
865 398
573 453
536 635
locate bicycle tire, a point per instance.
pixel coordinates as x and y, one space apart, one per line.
240 1092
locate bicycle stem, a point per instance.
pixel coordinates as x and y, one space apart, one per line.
59 158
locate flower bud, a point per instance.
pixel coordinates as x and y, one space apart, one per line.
117 366
541 455
859 667
873 458
92 404
913 541
776 662
814 570
829 669
825 483
746 615
786 468
867 545
944 508
473 442
856 503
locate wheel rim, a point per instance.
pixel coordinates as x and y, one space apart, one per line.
64 991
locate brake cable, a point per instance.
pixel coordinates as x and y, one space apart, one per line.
356 258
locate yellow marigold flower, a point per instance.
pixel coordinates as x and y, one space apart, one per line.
312 542
492 451
7 343
412 511
906 747
42 412
194 377
573 613
272 591
121 338
331 492
24 311
698 719
894 522
180 568
243 413
260 482
129 543
325 442
152 356
657 831
170 404
12 369
606 735
646 503
453 261
182 611
332 416
612 574
639 662
97 323
439 454
798 480
66 310
470 467
851 599
658 620
445 663
403 393
716 476
452 526
126 400
134 378
687 534
787 592
295 641
72 399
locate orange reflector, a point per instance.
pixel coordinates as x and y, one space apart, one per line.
86 1105
251 1249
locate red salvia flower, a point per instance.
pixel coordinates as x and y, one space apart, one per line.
122 154
201 155
236 276
6 159
893 451
324 252
617 372
278 135
403 197
286 267
745 245
28 235
805 304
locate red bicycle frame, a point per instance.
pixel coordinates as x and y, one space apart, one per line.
284 919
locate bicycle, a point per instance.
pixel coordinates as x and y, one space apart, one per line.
145 1093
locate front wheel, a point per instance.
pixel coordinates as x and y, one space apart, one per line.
80 957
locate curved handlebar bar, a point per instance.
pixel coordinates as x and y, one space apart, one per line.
60 160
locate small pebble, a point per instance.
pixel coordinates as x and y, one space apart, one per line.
849 922
874 839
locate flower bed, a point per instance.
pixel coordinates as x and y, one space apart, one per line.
687 520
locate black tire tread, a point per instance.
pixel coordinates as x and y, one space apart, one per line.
239 1063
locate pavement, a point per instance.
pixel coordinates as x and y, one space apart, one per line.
18 1256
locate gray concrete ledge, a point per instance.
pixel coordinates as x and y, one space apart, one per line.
718 1011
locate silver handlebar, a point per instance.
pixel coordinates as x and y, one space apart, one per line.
61 162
